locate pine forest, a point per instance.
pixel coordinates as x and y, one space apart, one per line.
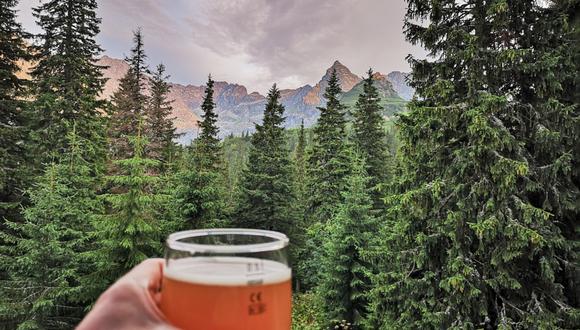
460 210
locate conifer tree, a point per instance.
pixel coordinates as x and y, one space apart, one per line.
483 226
345 280
299 226
13 122
67 80
267 196
327 163
130 230
208 144
370 136
328 166
159 129
44 262
129 101
200 193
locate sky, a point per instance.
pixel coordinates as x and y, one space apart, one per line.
254 42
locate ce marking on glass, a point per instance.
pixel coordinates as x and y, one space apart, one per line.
256 306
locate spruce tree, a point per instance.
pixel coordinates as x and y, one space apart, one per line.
327 163
159 128
266 191
67 80
131 228
208 144
328 166
483 225
370 136
13 121
129 101
345 279
299 226
200 192
44 289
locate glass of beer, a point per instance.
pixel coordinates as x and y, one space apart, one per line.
227 279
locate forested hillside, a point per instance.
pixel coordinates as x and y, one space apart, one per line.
460 212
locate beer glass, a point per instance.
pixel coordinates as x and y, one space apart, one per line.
227 279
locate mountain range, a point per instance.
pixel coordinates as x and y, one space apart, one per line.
239 110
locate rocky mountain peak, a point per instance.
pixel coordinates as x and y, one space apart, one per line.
346 78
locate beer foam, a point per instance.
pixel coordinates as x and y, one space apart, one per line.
230 271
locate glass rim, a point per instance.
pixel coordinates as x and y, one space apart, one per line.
280 241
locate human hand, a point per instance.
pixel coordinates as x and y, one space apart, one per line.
131 302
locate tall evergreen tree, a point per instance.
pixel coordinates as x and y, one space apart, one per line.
13 122
370 136
200 193
345 280
130 230
44 289
327 163
129 101
159 127
328 166
208 144
299 226
67 79
267 196
483 229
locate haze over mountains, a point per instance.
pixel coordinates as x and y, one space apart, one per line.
239 110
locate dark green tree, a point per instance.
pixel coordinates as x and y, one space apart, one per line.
159 128
13 121
44 289
482 227
208 144
328 166
129 102
67 80
327 163
370 137
267 196
299 226
131 229
346 278
200 192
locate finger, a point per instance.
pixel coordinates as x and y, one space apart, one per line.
147 274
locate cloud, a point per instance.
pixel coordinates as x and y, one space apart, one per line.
257 42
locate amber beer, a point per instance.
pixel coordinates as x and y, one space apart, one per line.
227 292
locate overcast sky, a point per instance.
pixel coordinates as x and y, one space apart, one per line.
255 42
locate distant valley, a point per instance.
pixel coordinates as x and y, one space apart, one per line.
238 110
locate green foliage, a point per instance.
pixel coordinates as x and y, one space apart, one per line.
267 199
328 165
14 163
208 143
130 230
129 102
200 194
307 312
44 260
346 276
370 137
67 82
481 229
159 127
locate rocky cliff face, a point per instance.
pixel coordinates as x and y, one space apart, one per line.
346 78
239 110
398 79
185 120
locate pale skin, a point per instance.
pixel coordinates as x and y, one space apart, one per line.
132 302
